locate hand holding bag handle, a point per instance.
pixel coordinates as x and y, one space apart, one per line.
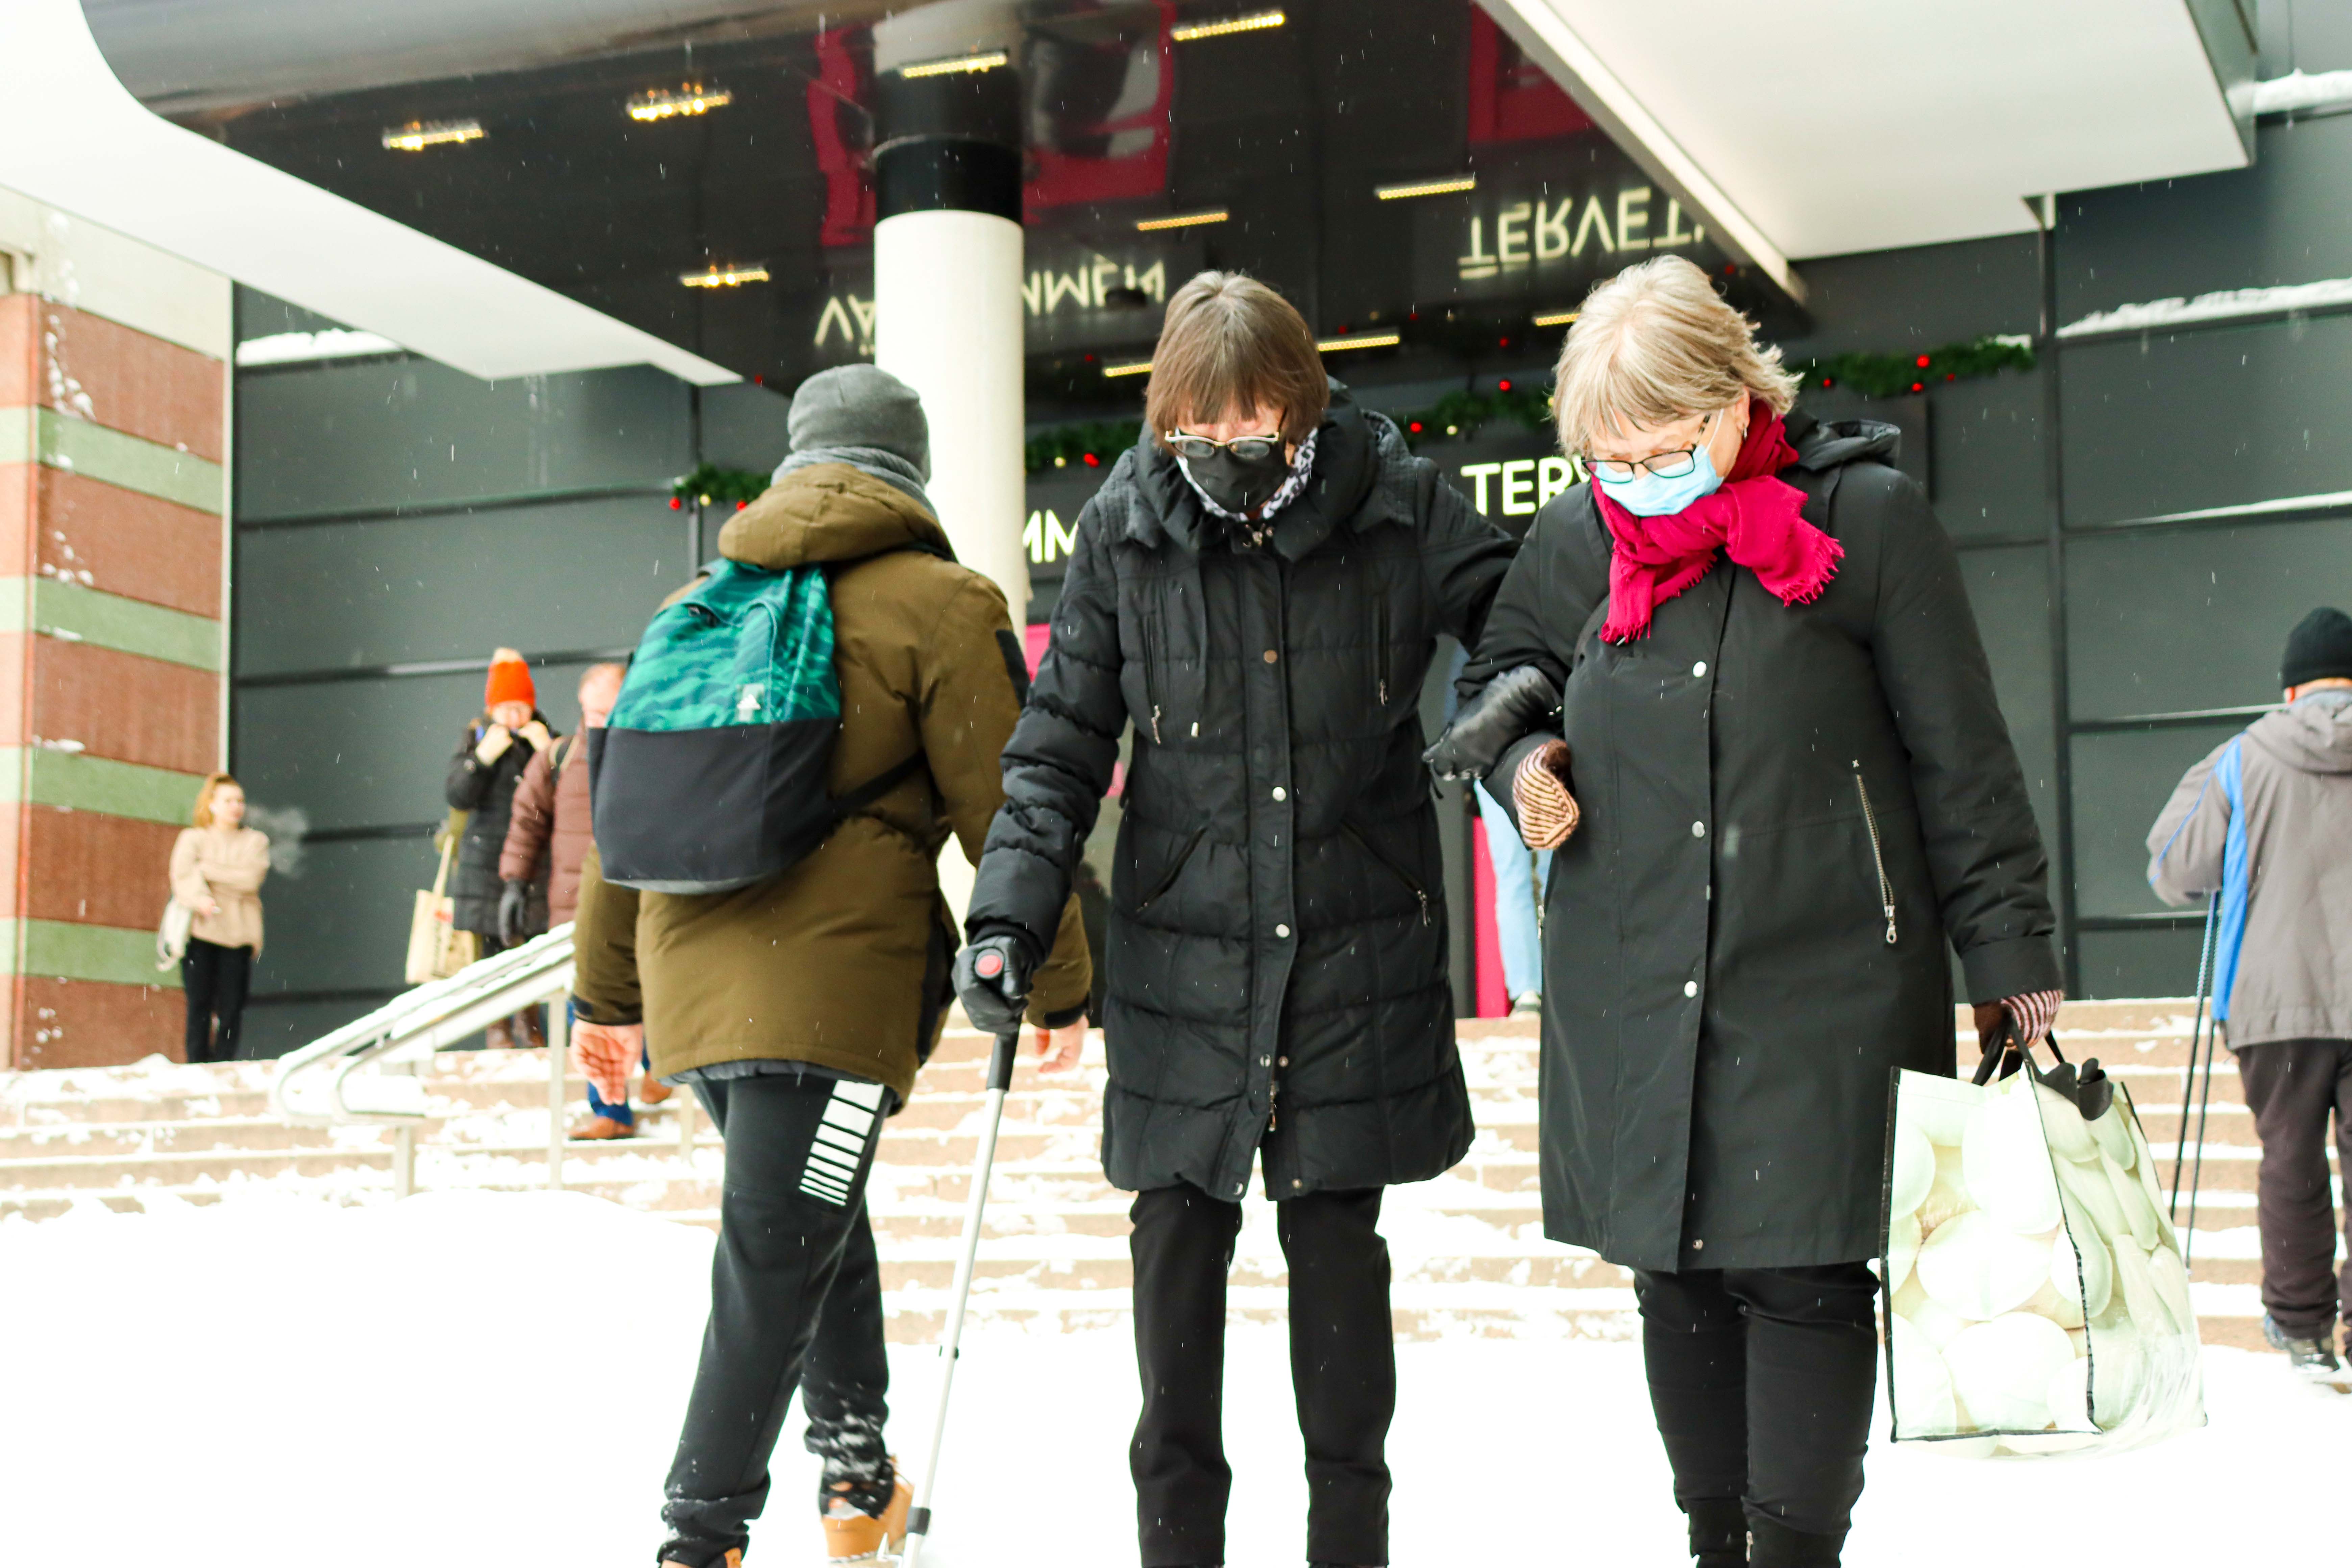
2088 1087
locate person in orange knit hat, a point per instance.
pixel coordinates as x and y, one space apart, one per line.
491 755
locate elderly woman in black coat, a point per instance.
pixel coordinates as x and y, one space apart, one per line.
1258 588
1779 784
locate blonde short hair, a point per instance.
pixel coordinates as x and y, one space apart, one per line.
1654 344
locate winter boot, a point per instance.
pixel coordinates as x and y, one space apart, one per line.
651 1091
864 1520
2313 1358
499 1036
596 1128
1772 1545
734 1559
1719 1532
529 1030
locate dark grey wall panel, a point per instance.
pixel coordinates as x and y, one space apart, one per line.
370 753
2121 781
2172 622
1886 301
274 1028
2010 591
2220 417
411 432
1984 458
2284 220
743 426
556 575
342 924
2161 962
1992 477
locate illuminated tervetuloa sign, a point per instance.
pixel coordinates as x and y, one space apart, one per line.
1544 232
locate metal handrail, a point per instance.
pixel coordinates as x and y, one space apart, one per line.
353 1060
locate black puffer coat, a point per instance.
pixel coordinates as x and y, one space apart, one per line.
1277 962
1722 1000
486 795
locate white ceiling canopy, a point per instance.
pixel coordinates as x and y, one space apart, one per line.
1821 127
73 137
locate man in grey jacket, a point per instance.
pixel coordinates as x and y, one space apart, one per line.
2265 822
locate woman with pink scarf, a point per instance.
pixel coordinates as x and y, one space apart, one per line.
1735 682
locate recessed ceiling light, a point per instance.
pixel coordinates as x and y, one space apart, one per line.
1255 22
724 277
692 97
418 134
1426 188
960 63
1181 220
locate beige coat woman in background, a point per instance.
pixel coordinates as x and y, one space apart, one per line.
217 868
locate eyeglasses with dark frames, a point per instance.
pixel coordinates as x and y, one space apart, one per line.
1674 464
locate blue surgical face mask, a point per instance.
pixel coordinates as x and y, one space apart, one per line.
1646 495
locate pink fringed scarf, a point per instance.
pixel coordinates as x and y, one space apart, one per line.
1755 517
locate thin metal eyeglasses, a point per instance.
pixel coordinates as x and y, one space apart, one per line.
1673 465
1200 449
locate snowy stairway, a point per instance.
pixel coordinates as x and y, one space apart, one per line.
1468 1247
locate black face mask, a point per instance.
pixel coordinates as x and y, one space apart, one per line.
1238 485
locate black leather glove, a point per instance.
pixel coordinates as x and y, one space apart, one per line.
1514 705
992 979
513 898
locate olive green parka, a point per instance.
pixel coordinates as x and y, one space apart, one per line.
842 961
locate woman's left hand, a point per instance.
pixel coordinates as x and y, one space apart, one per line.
1057 1049
536 733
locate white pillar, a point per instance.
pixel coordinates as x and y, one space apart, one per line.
947 322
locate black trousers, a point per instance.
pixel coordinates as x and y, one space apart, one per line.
2292 1085
1342 1371
216 979
795 1302
1762 1380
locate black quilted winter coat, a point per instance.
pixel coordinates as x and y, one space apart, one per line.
1277 956
1726 989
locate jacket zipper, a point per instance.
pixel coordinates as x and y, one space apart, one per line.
1151 698
1877 854
1398 872
1168 877
1380 630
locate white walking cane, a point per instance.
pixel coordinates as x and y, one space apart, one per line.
1000 1080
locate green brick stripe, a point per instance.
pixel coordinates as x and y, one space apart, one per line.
69 952
77 783
77 445
75 614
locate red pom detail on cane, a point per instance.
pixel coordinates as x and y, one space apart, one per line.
988 965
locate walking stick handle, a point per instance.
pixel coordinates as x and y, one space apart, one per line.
1000 1065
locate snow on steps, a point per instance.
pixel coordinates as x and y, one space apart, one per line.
1468 1247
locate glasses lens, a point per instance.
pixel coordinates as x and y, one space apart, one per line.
1610 473
1674 464
1251 448
1197 448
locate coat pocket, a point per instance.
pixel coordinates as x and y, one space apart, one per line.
1167 878
1412 883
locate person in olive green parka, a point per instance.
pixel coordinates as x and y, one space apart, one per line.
800 1008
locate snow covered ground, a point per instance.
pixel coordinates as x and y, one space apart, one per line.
493 1379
